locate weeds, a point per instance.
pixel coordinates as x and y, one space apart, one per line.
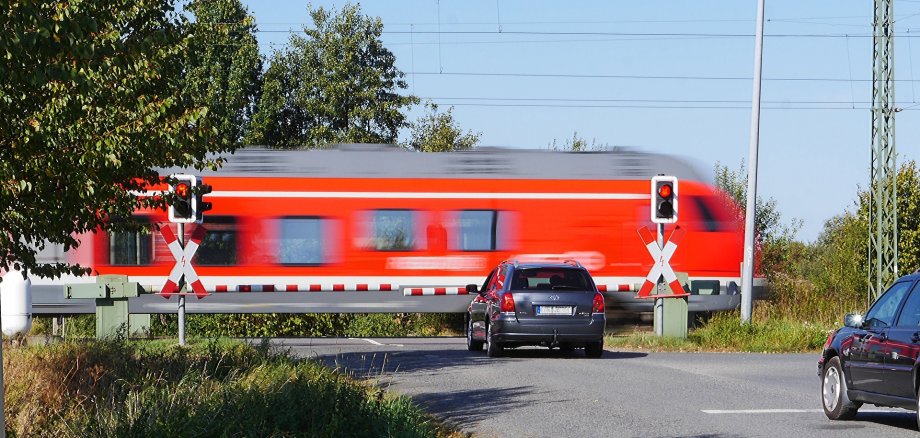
211 388
724 332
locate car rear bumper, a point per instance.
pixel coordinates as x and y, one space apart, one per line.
509 331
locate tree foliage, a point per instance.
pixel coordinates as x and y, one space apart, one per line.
224 68
767 218
830 276
92 103
579 144
774 239
439 132
335 84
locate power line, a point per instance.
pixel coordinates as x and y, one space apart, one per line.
639 106
556 99
625 34
662 77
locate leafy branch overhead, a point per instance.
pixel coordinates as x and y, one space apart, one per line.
92 103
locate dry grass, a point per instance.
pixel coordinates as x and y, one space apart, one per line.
210 389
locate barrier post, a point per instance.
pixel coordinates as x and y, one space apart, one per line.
111 293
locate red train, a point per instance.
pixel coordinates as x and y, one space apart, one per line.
378 218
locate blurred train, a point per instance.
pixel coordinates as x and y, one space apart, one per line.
366 218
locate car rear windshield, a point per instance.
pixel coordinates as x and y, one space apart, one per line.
551 279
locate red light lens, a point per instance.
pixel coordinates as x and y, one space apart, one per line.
182 190
507 302
664 191
598 303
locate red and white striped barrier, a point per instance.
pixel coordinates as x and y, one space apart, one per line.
615 288
315 287
418 291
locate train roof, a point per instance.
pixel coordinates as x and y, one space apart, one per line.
388 161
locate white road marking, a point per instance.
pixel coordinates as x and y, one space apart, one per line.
373 342
778 411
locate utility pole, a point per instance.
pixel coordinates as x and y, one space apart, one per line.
883 205
747 270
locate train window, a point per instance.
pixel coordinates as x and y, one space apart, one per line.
219 246
130 247
707 219
303 240
476 230
394 230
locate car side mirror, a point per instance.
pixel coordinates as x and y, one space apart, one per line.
472 289
853 320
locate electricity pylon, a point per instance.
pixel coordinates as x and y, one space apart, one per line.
883 206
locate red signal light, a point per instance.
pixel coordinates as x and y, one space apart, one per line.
665 191
507 303
598 303
182 190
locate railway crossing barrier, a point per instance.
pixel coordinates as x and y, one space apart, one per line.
111 294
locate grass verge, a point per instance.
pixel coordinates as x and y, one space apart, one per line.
210 388
724 332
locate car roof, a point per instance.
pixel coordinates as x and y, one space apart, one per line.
911 277
554 265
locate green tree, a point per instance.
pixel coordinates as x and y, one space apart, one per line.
92 104
224 68
908 185
767 218
774 239
579 144
438 132
336 84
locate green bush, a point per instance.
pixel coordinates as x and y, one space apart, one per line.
311 325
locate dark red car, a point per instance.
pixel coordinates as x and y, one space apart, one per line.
873 358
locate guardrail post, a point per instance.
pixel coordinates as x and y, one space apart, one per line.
111 293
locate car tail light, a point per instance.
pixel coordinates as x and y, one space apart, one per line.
598 303
507 302
830 339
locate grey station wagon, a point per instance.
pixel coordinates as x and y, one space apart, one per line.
554 305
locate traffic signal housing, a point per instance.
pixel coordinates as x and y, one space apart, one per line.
664 199
188 205
182 206
200 205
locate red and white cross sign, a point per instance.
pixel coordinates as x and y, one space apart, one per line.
661 265
183 262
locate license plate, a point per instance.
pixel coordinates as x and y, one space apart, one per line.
554 310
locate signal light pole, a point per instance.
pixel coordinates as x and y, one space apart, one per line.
188 207
747 271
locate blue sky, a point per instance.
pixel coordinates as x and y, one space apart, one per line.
664 76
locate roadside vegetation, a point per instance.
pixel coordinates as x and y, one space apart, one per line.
811 285
360 325
724 332
209 388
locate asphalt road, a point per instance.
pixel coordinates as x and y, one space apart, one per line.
538 393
